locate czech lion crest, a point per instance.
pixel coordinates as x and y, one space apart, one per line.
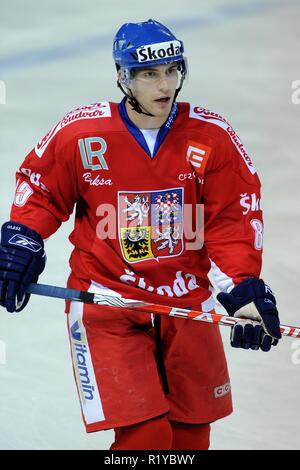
151 224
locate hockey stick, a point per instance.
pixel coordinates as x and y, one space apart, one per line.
146 307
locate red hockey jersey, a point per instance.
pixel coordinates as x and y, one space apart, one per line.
137 216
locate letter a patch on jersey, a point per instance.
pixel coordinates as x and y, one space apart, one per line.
151 224
197 154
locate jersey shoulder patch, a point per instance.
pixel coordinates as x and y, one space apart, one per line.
92 111
196 112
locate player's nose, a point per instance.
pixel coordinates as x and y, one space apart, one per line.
163 84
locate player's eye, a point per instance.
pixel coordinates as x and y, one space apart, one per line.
149 74
172 71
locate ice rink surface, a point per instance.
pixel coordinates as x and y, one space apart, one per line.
243 58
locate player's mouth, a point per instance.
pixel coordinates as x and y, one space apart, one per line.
164 100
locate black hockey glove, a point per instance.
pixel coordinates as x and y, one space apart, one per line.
252 300
22 259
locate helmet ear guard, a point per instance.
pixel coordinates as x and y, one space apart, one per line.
124 76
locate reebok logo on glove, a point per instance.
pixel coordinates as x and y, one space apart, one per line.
269 290
25 242
22 260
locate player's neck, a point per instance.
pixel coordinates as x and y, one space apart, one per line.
143 121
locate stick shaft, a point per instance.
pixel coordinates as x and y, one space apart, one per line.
146 307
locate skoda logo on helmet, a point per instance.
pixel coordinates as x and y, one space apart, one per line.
158 51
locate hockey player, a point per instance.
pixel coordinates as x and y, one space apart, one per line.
138 166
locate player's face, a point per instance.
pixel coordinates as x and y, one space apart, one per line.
155 87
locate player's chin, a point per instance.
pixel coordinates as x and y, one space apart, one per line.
162 111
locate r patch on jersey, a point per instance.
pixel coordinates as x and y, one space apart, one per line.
151 224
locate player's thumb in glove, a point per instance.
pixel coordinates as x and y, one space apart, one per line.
22 259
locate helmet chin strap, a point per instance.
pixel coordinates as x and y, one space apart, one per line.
134 102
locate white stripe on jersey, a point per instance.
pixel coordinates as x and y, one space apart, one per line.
208 305
84 371
223 282
93 111
203 114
